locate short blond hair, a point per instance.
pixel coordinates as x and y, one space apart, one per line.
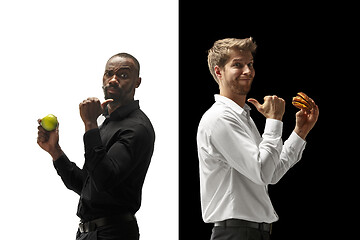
218 55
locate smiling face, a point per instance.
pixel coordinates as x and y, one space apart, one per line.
236 77
120 79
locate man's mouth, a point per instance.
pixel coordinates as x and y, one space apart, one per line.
245 80
111 89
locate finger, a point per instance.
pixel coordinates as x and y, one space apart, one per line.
93 99
106 102
41 139
311 100
299 113
267 98
306 111
57 127
89 100
254 102
41 129
316 107
43 136
315 111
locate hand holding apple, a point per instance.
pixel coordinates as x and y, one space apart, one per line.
49 140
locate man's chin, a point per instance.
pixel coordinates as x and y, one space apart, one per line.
242 91
114 97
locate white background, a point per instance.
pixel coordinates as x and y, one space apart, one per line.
52 56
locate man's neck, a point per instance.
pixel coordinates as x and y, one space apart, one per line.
116 104
238 99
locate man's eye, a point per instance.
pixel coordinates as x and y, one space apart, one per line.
122 75
109 73
250 65
238 65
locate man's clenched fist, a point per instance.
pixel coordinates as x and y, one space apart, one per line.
90 110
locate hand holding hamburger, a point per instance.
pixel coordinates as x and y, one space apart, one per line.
307 116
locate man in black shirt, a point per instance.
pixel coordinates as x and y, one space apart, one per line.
117 155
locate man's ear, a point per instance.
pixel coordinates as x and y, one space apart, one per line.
138 82
218 72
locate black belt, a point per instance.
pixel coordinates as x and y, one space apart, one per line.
94 224
267 227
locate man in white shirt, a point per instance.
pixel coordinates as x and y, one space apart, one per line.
236 163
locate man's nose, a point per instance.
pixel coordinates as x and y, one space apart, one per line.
246 70
113 80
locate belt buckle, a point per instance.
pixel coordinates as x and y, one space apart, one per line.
81 227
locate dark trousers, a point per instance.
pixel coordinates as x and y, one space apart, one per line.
239 233
123 231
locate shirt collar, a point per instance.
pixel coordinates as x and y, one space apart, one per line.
233 105
122 112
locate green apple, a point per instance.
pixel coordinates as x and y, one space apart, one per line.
49 122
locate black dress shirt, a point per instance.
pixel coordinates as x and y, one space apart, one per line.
117 157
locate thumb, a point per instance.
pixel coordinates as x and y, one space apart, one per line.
254 102
106 102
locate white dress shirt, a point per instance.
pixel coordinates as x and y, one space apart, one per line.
236 164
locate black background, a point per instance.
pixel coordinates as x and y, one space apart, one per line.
301 47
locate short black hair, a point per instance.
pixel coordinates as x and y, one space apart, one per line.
127 55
